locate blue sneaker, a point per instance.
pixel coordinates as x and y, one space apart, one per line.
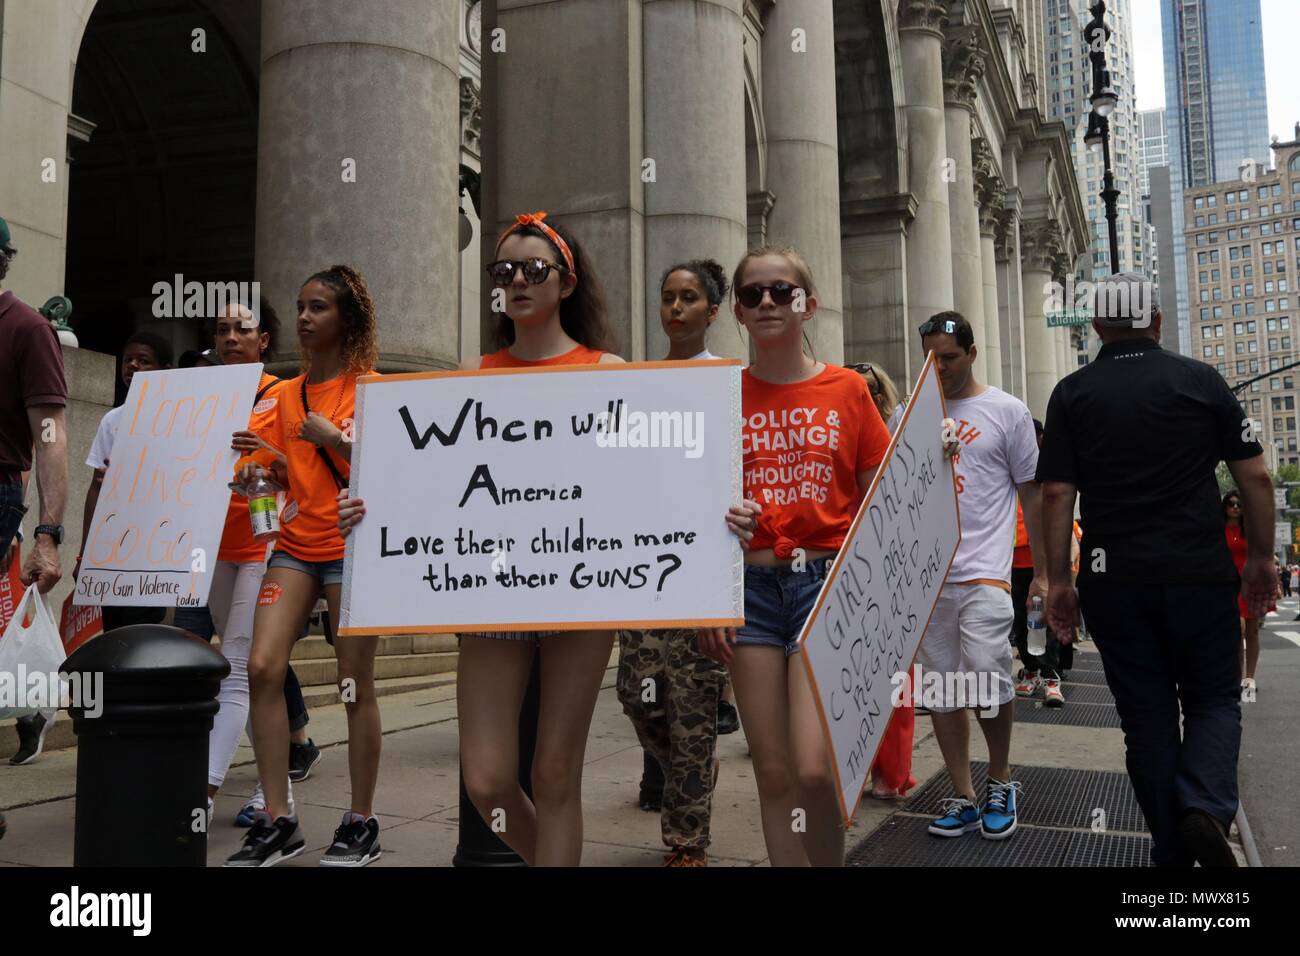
998 819
960 816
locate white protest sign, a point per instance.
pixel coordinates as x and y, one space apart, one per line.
157 527
557 498
878 598
1281 534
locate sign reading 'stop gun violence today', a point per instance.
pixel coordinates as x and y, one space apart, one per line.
859 642
156 531
553 498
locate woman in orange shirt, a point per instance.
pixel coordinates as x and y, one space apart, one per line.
312 433
812 441
554 315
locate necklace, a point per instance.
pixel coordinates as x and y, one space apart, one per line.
343 390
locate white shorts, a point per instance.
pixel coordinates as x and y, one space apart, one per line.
967 648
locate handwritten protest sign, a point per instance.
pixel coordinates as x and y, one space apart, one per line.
157 528
877 600
570 498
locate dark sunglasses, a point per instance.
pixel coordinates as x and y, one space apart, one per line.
536 269
935 327
1233 504
750 296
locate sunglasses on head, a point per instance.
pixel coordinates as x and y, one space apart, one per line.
536 269
751 295
935 327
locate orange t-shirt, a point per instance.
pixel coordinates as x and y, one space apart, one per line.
1023 557
578 355
309 522
803 447
237 542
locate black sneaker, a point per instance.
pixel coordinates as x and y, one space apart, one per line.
302 757
728 719
1205 838
267 843
31 739
355 844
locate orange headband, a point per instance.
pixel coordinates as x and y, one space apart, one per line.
535 219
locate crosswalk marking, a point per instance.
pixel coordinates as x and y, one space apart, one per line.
1292 636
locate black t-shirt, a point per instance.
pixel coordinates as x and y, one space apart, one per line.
1140 432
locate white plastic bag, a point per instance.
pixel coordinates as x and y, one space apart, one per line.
30 658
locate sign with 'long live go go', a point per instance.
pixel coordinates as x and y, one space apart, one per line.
873 610
154 539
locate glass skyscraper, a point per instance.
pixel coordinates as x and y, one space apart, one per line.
1216 106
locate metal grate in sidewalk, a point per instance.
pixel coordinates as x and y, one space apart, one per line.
1051 796
1076 714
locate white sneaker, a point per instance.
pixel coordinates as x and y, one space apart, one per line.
257 803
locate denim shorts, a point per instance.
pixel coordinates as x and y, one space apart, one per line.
326 572
778 602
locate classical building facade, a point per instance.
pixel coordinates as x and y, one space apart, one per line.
904 146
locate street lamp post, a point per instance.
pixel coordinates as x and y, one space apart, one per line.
1103 99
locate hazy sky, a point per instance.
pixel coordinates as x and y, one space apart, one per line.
1281 64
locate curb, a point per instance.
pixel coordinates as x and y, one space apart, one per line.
1247 837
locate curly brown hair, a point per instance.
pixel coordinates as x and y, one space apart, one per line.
360 349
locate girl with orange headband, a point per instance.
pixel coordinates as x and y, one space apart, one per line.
554 314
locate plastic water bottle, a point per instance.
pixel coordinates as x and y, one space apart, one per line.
1036 635
262 510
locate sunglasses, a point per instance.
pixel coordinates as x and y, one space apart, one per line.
782 293
1234 504
536 269
935 327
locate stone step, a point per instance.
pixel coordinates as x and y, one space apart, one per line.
61 736
315 647
313 671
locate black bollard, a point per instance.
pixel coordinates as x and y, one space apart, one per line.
147 751
477 845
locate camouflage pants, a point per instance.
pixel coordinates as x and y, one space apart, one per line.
671 692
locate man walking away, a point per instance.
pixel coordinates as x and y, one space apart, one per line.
1138 434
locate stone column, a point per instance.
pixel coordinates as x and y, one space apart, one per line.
929 238
1006 247
566 118
694 132
1040 245
802 149
990 193
357 162
963 66
875 266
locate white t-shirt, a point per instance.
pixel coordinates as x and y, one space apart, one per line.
998 452
896 417
102 446
706 354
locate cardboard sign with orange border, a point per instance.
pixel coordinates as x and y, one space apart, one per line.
880 593
552 498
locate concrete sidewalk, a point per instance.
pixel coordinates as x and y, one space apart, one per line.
416 800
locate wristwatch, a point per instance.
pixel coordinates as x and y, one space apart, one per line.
55 531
